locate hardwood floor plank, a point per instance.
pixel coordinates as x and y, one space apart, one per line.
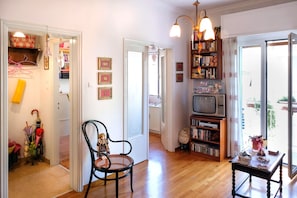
179 174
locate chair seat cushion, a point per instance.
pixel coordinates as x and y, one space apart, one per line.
118 163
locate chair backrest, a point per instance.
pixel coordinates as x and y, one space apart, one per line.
94 126
92 129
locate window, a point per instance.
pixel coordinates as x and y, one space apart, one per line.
264 84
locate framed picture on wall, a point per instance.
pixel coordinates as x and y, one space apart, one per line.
104 93
104 63
104 78
179 66
179 77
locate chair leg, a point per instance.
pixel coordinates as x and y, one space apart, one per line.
105 175
89 185
131 178
117 184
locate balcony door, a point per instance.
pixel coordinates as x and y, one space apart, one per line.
269 94
292 106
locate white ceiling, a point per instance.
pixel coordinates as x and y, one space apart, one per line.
224 5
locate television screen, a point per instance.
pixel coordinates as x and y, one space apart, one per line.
204 104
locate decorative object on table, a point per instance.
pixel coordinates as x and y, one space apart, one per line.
104 63
257 142
244 157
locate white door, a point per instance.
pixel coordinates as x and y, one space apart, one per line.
164 134
136 98
61 104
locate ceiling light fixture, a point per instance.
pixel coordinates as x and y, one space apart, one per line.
19 34
199 27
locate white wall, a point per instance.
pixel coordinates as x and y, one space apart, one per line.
20 113
264 20
104 24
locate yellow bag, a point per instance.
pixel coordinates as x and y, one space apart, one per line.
19 92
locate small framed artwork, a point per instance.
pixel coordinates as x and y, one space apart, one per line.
179 66
104 63
104 93
104 78
179 77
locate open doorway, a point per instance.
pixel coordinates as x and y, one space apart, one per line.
62 61
155 89
136 95
43 91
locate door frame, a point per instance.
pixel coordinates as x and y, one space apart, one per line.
76 104
291 172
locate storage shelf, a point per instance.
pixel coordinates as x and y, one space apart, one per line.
24 56
206 59
208 141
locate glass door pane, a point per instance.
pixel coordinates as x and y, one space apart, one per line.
135 94
292 106
251 92
277 96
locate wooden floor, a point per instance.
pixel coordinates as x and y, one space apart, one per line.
181 174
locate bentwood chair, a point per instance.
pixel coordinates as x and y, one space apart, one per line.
106 166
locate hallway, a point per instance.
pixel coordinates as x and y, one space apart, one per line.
39 180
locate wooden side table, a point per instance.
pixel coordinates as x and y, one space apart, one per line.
258 169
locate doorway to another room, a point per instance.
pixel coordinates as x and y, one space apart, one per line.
50 89
155 88
144 63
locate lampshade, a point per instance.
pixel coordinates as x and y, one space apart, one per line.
209 34
175 31
205 24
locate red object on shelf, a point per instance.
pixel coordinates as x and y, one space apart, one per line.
27 42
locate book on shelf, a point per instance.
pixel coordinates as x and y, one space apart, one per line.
205 149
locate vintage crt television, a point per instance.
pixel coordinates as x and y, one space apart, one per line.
209 104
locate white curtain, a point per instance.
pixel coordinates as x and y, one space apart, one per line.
231 77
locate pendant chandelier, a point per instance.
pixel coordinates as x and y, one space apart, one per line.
199 27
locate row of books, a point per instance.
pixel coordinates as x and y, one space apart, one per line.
205 46
204 134
199 60
206 149
208 73
195 122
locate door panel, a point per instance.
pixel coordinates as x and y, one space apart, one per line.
136 99
162 62
292 106
251 91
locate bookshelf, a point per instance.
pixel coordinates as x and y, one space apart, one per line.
206 59
208 137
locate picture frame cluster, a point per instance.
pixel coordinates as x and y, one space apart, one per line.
179 72
104 65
